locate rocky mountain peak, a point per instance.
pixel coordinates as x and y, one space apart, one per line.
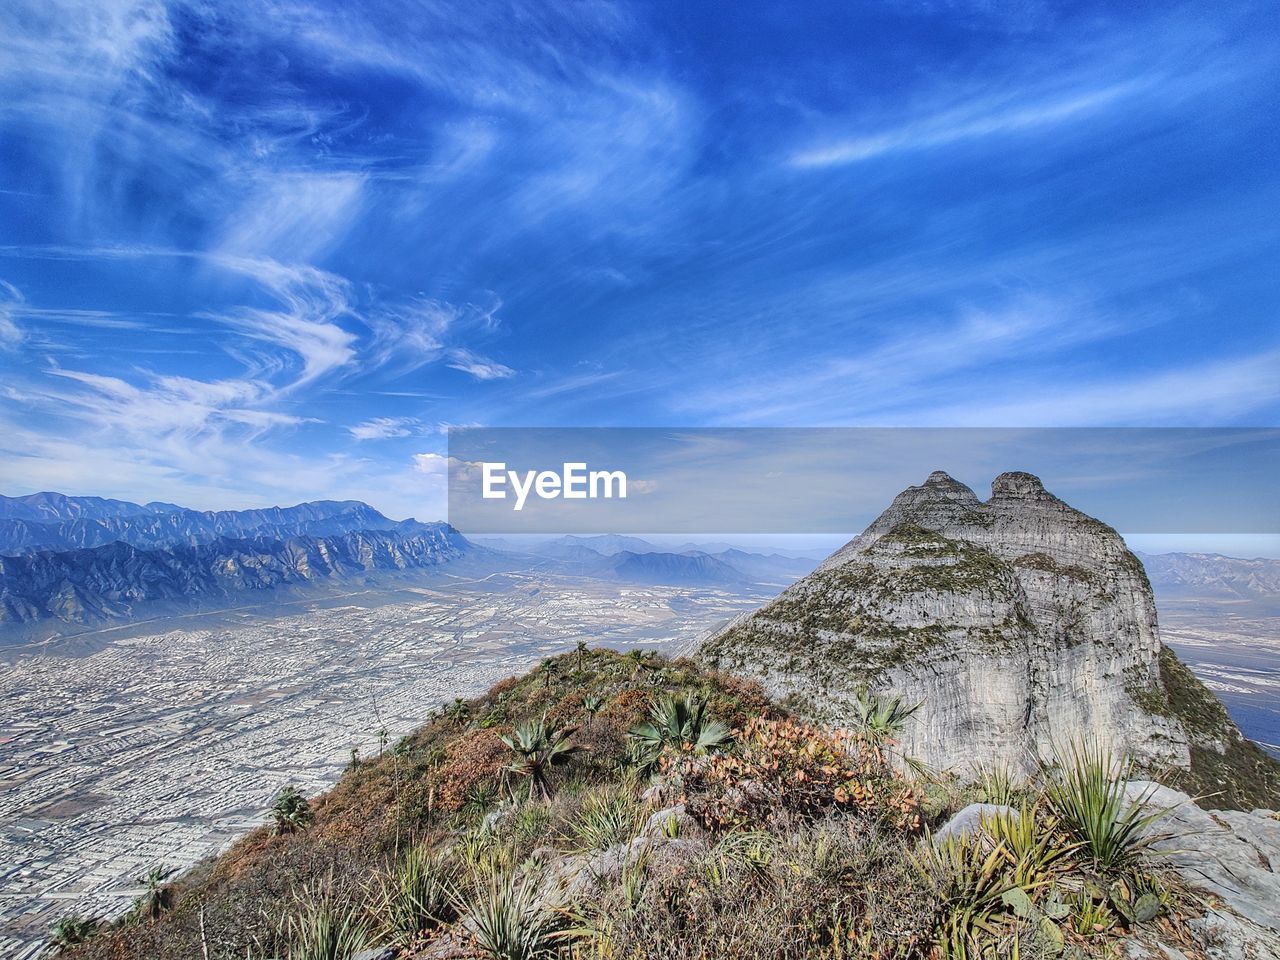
1019 622
1016 484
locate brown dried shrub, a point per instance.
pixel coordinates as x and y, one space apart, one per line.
476 757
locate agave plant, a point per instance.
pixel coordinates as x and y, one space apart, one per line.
539 747
969 880
71 931
677 723
291 811
608 816
591 704
1085 788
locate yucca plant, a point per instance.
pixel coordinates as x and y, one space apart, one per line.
326 926
479 800
608 816
1085 789
678 723
539 747
531 821
484 853
507 921
415 895
290 811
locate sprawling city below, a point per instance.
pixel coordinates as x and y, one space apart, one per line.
162 746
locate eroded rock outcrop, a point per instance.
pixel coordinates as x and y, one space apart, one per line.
1019 621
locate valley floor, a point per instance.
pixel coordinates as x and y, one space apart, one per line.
1235 651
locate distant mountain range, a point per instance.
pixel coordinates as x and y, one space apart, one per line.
51 521
1210 576
111 581
638 560
82 560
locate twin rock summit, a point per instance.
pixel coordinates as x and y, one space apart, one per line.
1018 622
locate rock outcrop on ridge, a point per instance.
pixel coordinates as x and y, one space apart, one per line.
1019 623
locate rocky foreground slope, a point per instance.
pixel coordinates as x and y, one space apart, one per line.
1017 622
547 818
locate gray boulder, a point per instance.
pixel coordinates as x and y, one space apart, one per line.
1230 855
969 820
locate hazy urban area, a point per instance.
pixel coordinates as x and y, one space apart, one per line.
160 748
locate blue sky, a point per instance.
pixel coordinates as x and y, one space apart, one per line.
260 252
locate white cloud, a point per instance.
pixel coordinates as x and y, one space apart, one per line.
432 463
479 367
965 123
10 299
1211 393
384 428
311 302
295 215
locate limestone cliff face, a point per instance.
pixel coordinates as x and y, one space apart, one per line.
1019 622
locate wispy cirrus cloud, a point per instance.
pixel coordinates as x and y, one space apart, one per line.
256 241
385 428
1003 115
482 368
10 302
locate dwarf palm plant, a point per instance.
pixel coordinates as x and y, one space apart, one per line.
157 897
291 811
880 719
1085 788
539 747
678 723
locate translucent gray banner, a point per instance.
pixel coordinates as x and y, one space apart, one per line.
836 480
